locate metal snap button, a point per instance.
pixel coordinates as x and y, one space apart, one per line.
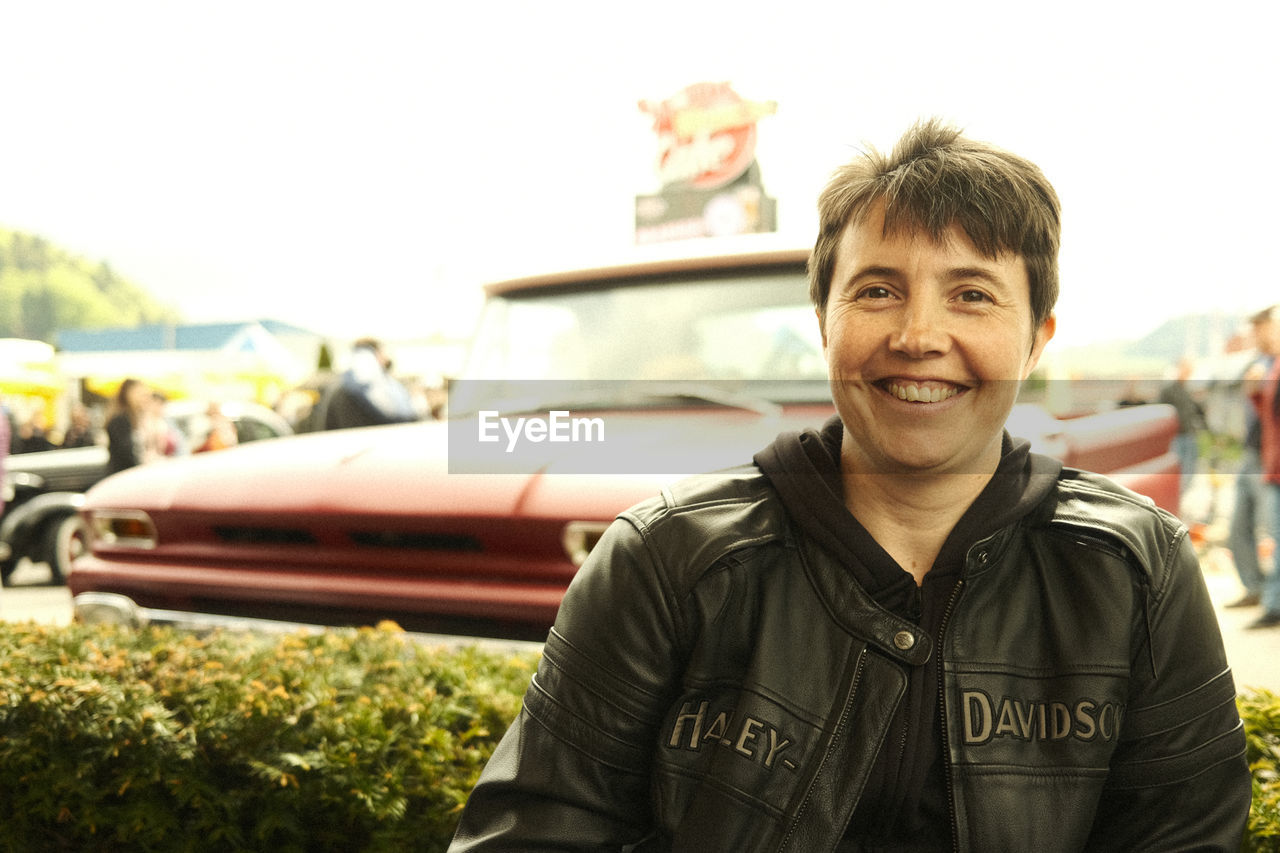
904 640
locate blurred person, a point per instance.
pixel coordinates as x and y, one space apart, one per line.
130 431
1130 396
437 400
295 406
222 432
5 426
33 433
1251 514
1191 422
903 630
1265 395
10 425
162 436
80 432
367 394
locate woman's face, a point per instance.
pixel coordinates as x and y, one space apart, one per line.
926 344
138 396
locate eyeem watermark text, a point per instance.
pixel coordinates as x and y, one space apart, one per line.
557 426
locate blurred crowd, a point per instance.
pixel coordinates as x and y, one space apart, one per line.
138 404
1238 459
137 424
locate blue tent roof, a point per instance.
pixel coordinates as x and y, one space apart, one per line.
194 337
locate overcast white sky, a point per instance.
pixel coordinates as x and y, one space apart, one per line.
361 168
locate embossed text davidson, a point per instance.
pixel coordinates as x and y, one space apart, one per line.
987 718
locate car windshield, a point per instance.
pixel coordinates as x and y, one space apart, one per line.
725 339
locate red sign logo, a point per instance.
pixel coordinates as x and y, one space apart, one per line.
706 134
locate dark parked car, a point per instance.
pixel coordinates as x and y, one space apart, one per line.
44 491
685 365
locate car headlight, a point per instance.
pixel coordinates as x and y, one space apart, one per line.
123 528
580 537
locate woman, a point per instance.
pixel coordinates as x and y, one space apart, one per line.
128 426
900 632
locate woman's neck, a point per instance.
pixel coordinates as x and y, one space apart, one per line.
909 514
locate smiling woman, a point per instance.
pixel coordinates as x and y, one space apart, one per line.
933 310
927 342
798 654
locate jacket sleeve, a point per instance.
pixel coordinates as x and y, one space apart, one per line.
572 772
1179 779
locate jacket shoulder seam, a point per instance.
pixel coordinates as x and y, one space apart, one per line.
654 522
1152 559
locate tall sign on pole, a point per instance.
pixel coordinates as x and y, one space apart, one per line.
711 184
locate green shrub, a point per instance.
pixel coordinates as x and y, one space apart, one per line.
1260 710
113 739
159 740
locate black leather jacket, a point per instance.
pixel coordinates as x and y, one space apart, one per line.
715 682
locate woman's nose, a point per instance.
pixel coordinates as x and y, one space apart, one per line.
922 331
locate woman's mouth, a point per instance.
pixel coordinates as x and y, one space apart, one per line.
921 392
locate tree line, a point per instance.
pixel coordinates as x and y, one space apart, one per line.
45 289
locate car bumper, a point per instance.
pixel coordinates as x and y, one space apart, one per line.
115 609
431 604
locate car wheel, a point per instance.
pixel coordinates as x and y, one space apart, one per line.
64 541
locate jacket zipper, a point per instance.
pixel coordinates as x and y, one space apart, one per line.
835 737
942 706
897 798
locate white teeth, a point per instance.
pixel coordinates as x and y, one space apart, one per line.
916 394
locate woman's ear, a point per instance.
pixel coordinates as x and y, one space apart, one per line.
1043 335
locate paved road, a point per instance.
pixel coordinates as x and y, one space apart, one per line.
31 598
1254 655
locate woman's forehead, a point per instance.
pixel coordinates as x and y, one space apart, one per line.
903 222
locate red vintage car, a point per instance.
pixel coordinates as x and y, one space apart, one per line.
687 364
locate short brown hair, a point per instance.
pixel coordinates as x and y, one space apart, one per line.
934 178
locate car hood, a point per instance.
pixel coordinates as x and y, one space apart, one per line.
405 470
